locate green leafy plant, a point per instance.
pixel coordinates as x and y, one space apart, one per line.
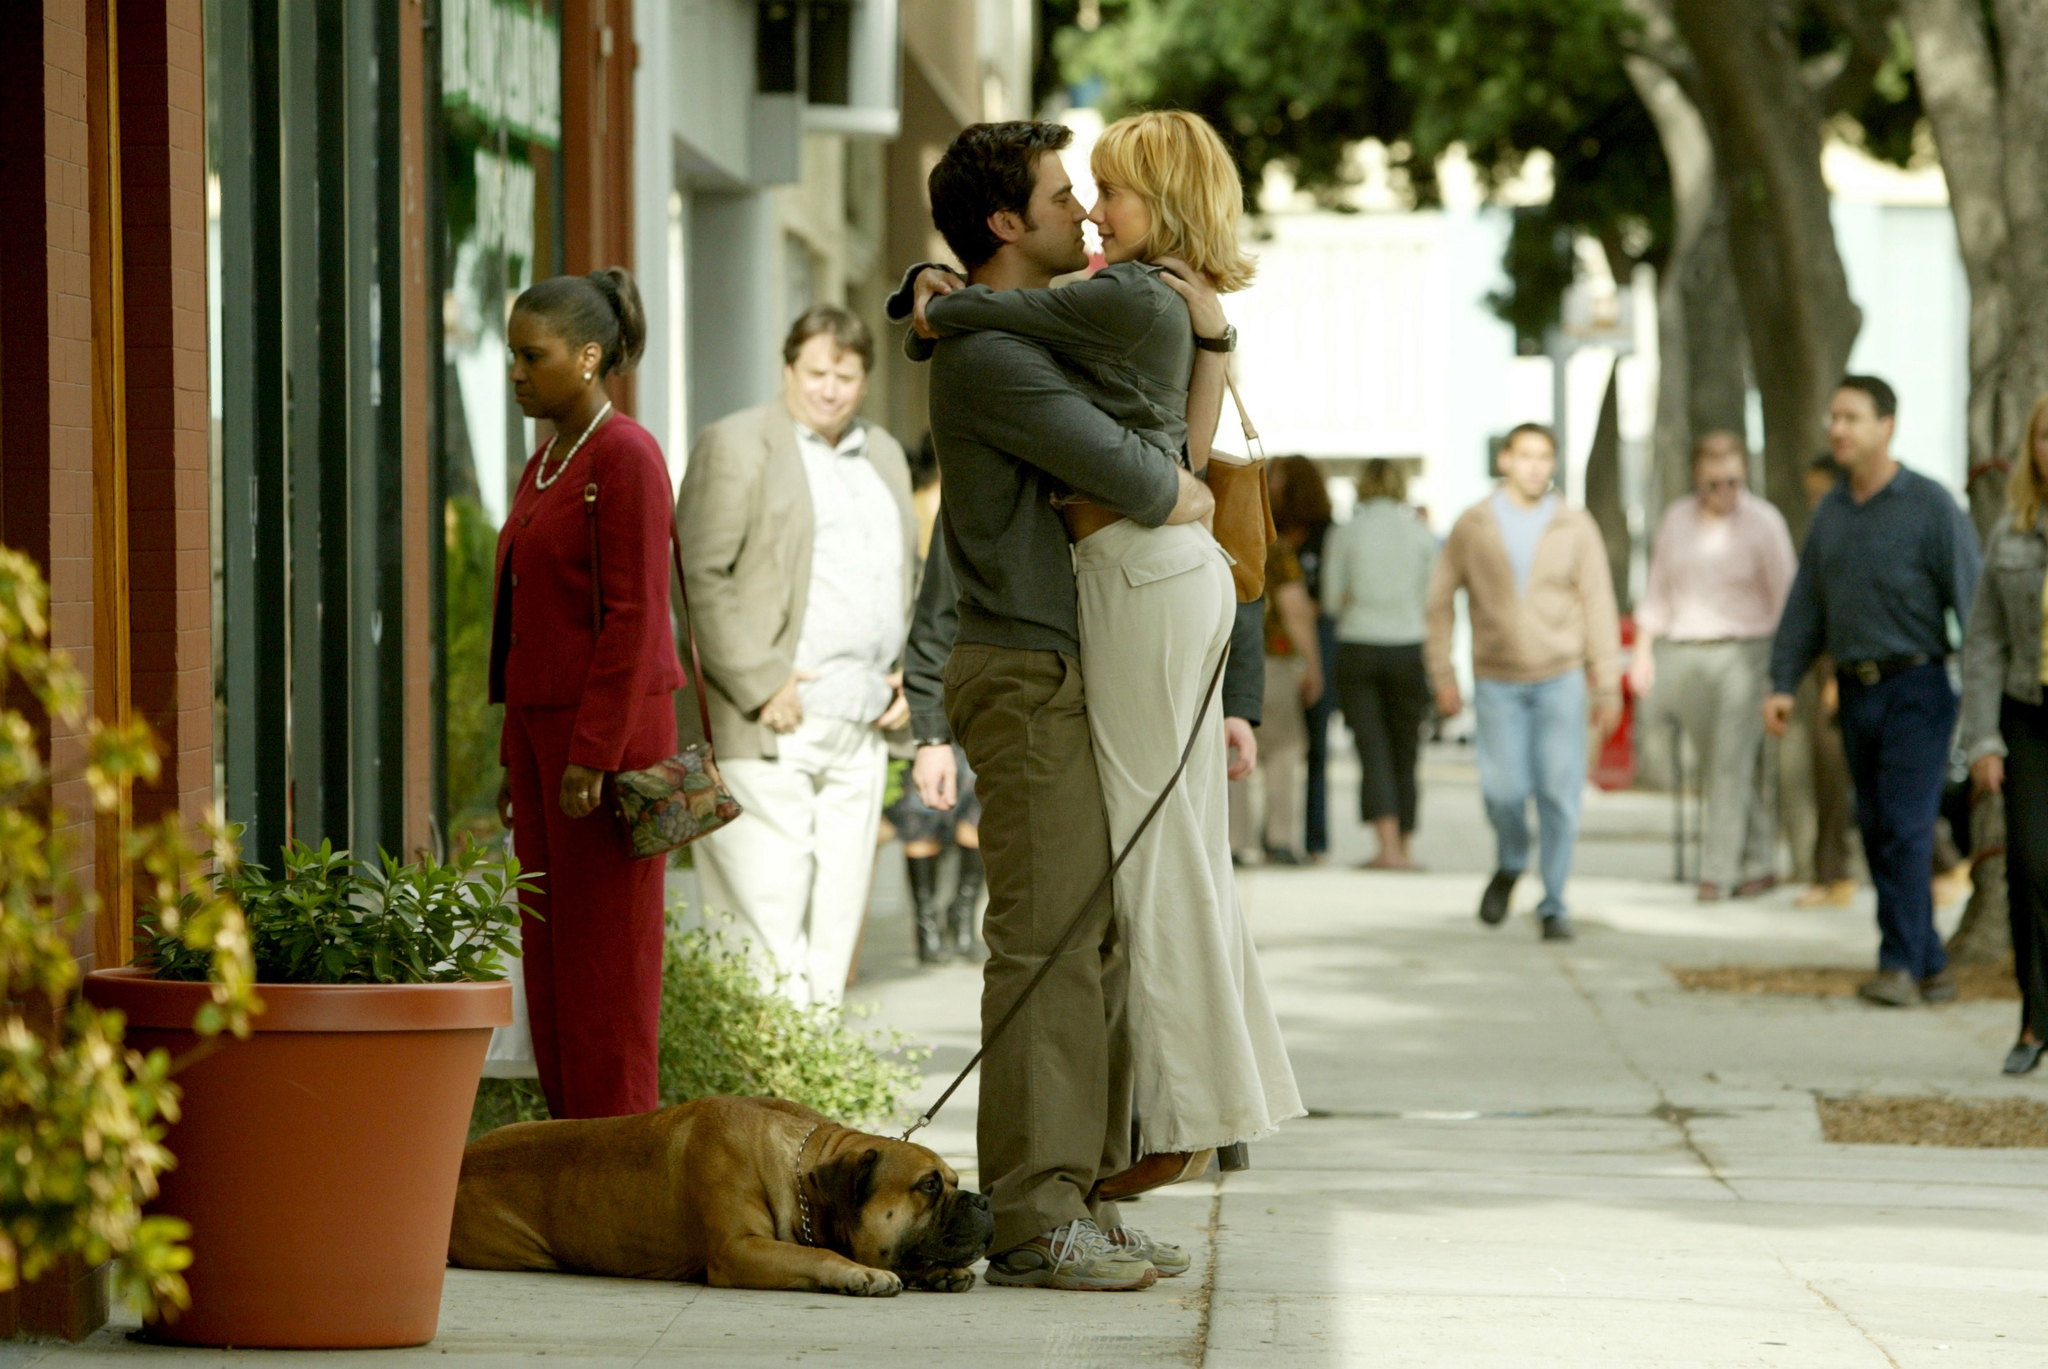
332 920
723 1033
82 1118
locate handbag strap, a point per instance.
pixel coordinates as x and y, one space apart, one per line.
1244 420
675 559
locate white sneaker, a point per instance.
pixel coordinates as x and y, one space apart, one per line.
1075 1257
1169 1260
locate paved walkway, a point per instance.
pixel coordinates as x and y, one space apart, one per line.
1520 1155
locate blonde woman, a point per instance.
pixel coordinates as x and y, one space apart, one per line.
2005 719
1156 609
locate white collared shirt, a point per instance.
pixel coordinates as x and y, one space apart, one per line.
853 620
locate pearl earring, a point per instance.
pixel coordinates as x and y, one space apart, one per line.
586 377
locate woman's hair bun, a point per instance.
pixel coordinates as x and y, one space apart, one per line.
602 307
621 292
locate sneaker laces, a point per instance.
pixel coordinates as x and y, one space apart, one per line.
1128 1238
1077 1241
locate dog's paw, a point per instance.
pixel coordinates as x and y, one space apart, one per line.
870 1283
939 1279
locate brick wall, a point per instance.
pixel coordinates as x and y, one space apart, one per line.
163 201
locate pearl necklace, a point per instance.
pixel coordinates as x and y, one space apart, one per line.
542 479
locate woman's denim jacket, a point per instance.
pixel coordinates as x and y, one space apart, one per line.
2002 645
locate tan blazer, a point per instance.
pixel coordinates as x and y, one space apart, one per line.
743 517
1567 620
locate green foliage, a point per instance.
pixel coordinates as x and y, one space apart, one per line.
1298 83
331 920
723 1033
473 722
81 1118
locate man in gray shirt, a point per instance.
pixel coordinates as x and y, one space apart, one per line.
1012 432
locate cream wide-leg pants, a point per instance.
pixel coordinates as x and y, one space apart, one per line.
1156 608
791 873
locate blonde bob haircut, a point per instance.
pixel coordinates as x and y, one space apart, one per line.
2023 491
1175 163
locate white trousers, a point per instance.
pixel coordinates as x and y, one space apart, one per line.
1209 1065
791 874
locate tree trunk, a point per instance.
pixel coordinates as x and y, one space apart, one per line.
1987 113
1603 490
1701 383
1766 126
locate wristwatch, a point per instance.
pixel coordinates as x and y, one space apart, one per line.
1226 343
934 741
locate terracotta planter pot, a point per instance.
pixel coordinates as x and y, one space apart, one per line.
317 1160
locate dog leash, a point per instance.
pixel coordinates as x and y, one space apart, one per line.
1060 948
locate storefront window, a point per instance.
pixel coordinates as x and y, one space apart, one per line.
501 92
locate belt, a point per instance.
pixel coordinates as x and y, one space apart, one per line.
1873 672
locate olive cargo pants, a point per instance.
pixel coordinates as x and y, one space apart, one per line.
1056 1087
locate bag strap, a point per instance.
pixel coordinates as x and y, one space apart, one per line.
675 558
696 686
1244 420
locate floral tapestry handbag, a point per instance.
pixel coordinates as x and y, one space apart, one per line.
673 802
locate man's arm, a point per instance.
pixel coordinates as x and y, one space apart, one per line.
1244 678
1603 625
714 511
1024 405
1097 319
932 627
1965 561
1801 628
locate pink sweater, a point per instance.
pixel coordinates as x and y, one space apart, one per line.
1712 579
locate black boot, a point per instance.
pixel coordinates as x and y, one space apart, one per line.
966 894
924 897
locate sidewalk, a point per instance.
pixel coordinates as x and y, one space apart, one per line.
1520 1154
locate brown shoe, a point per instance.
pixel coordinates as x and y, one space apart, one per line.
1150 1172
1837 894
1709 892
1756 888
1939 987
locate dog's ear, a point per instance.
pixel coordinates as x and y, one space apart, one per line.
847 1181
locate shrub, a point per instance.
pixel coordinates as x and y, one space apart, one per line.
81 1118
722 1033
331 920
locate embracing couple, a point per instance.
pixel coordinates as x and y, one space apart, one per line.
1089 607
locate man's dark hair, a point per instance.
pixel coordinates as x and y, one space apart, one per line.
1881 396
989 168
1719 442
1541 430
842 326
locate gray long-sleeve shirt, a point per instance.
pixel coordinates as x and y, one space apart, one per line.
1877 580
1013 431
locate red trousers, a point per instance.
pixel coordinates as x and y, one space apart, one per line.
593 930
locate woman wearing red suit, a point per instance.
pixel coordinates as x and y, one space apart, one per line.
581 701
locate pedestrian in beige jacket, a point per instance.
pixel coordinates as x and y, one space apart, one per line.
1545 633
800 544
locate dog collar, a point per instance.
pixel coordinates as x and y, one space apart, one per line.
803 1205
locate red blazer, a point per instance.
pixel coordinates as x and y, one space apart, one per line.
543 651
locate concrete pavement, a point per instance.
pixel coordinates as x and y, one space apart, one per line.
1520 1154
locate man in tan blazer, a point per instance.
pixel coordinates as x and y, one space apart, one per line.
801 551
1545 634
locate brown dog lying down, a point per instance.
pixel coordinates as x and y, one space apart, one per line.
736 1192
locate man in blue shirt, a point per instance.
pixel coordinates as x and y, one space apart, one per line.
1889 557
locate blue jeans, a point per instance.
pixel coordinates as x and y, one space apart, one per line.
1532 744
1897 734
1316 806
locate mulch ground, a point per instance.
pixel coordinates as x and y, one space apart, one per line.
1974 983
1991 1123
